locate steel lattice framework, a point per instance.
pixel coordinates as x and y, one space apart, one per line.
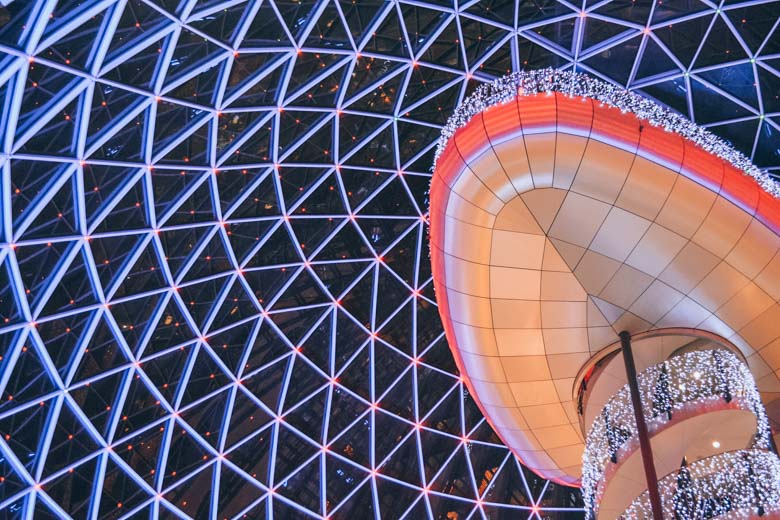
215 295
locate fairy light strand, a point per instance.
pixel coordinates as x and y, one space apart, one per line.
738 483
576 84
692 378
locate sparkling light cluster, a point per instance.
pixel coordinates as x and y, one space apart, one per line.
693 377
574 84
738 483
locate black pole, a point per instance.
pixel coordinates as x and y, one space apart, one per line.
641 427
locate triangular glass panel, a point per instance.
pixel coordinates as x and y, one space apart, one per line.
254 455
70 441
28 379
307 382
185 456
231 344
266 385
98 398
205 377
207 417
141 408
236 493
303 488
246 418
170 330
304 291
267 346
654 62
141 452
166 371
292 451
101 352
23 432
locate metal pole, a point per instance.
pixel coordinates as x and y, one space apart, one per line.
641 427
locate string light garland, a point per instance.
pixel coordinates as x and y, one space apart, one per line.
738 483
694 378
576 84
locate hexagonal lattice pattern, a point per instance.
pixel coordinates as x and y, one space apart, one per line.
214 285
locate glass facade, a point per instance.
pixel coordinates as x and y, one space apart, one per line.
215 291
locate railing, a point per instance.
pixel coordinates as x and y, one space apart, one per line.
702 378
742 483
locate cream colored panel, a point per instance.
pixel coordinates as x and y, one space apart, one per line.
475 340
509 283
545 415
603 171
719 286
514 159
516 314
741 344
655 250
771 354
600 337
568 457
561 314
557 286
619 234
558 437
544 204
465 241
510 249
610 311
716 326
525 368
595 317
758 367
565 367
493 394
568 154
632 323
570 253
523 441
461 209
533 393
471 189
552 260
467 277
519 342
687 313
578 219
565 341
538 460
689 267
484 368
647 188
506 417
541 156
769 278
764 329
686 207
723 227
626 286
564 386
515 216
488 169
656 301
470 310
754 250
745 306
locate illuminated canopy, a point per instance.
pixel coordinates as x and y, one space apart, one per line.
558 221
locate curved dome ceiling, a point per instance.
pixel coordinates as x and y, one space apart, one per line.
216 295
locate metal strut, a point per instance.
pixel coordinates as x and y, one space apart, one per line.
641 427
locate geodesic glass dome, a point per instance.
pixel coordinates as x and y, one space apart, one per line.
215 292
